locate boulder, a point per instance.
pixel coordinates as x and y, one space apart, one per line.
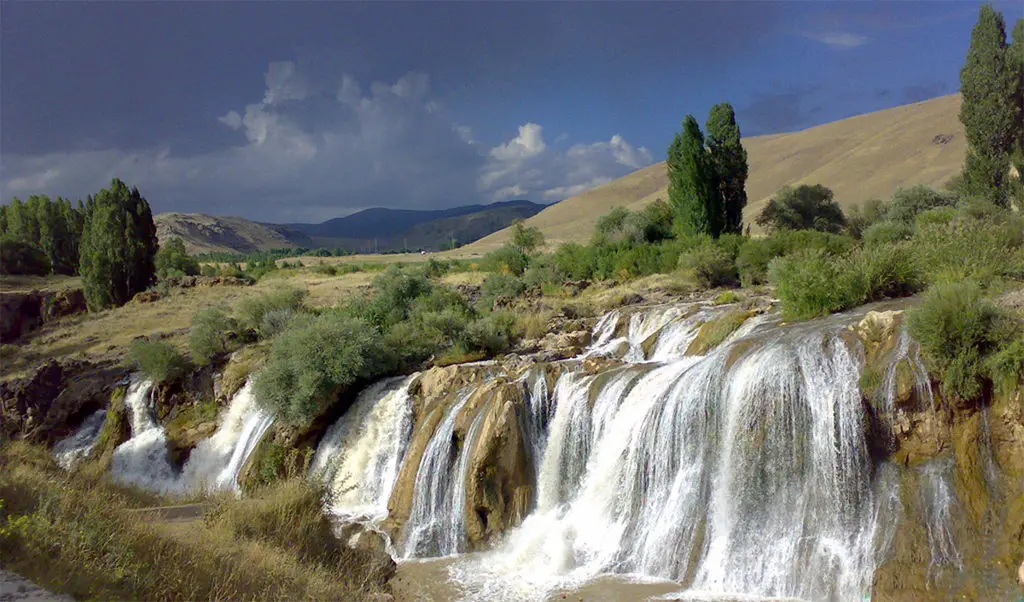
562 345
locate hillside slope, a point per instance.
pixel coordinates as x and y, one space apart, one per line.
366 231
229 234
859 158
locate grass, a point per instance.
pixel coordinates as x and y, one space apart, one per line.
85 539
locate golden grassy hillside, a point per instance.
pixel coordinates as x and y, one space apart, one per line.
862 157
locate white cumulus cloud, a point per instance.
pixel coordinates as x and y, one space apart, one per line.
311 150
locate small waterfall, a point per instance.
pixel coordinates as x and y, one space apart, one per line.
639 327
432 528
361 453
71 450
938 502
142 460
215 462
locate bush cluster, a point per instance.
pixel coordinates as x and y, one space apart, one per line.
158 361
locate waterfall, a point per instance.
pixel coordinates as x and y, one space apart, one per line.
71 450
361 453
142 460
738 474
215 462
432 528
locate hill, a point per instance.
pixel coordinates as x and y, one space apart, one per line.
368 230
204 233
859 158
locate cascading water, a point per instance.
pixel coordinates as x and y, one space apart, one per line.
743 472
433 529
142 461
360 455
215 462
68 452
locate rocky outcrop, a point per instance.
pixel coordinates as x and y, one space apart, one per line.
21 313
49 404
500 489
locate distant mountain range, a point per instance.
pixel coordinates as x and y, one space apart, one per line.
366 231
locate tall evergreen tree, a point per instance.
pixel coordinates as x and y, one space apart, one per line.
730 161
118 247
693 187
990 111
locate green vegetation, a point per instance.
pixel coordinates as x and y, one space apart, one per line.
806 207
693 185
173 260
43 228
966 337
252 311
159 361
730 160
711 263
713 332
118 246
211 335
990 82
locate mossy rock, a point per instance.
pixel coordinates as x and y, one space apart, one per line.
242 364
116 430
713 332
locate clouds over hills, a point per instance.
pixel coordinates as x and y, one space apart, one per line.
314 148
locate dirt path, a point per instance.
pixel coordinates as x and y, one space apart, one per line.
15 588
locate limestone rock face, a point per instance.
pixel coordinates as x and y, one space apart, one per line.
501 486
563 345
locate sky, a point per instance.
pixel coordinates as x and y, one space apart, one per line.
304 111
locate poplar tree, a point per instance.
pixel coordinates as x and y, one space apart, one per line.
990 111
693 187
118 247
730 161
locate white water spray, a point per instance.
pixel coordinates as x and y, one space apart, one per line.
71 450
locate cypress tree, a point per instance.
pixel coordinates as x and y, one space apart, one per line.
118 247
990 110
730 160
693 184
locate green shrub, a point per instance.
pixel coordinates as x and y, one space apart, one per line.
862 216
209 270
887 232
393 294
436 268
755 254
885 271
325 269
711 264
541 272
731 243
507 259
491 334
908 203
500 285
1006 366
728 297
17 257
315 359
574 262
966 248
812 283
805 207
158 361
649 225
939 216
251 310
957 327
212 333
276 321
172 259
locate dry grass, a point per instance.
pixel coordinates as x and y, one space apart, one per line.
82 538
859 158
23 284
107 334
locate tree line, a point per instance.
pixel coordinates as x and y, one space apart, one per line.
110 240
